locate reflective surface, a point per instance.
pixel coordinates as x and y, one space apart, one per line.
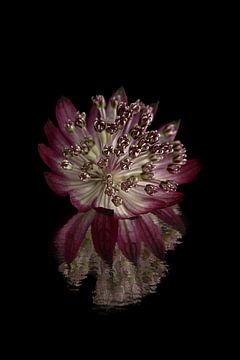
122 283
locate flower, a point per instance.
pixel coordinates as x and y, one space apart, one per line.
109 159
126 281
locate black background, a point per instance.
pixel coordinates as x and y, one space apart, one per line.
174 63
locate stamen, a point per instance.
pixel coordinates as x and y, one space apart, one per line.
66 152
119 150
117 201
107 150
75 150
136 132
103 163
147 176
111 128
66 165
148 167
99 125
70 127
80 119
123 140
84 176
151 189
87 166
120 122
135 107
173 168
134 151
99 101
163 149
168 186
129 183
153 137
125 164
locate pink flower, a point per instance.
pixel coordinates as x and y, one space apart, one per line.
109 163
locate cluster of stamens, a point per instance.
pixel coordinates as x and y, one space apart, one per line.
136 144
79 121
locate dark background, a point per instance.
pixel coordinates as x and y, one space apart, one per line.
174 63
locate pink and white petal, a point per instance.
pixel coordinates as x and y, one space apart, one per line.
55 138
85 196
65 111
169 216
136 202
50 157
63 183
175 124
104 234
70 237
56 183
129 239
188 172
92 115
151 234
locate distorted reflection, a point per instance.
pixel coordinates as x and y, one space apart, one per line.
126 279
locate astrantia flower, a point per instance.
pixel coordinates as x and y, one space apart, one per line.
109 159
127 281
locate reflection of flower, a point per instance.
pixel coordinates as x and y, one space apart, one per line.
110 160
125 282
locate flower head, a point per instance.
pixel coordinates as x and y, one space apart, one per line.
109 159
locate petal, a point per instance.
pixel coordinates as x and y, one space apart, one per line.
122 93
138 202
70 237
62 184
151 234
188 172
170 137
50 157
65 111
92 115
86 195
129 238
104 235
155 107
56 184
55 138
169 216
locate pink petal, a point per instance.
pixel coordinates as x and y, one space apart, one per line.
155 107
129 239
65 111
92 115
150 233
56 183
172 136
85 195
70 237
122 93
104 235
50 157
55 138
188 172
169 216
